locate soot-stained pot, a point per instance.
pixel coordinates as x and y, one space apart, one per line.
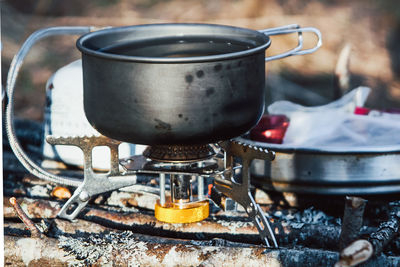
168 84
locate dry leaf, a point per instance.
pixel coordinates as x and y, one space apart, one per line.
61 192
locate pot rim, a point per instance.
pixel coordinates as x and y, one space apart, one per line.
80 43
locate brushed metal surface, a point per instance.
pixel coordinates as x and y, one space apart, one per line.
329 172
173 100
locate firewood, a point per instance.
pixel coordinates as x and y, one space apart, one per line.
352 220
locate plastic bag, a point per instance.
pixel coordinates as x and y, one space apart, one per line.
335 127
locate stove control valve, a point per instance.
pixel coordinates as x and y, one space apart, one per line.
181 206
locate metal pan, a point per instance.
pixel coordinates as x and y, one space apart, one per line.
334 171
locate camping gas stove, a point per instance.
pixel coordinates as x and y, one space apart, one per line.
183 165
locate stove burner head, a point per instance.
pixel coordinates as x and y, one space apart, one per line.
179 153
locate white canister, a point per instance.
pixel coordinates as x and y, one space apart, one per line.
65 116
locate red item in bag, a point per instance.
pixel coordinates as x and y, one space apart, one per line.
361 111
270 129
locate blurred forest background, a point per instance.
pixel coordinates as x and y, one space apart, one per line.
372 28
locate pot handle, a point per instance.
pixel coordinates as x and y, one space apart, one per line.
293 28
15 66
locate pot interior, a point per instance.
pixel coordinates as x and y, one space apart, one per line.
173 42
187 46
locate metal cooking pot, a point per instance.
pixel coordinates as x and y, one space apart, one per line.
170 84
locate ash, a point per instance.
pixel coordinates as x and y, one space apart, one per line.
39 191
311 215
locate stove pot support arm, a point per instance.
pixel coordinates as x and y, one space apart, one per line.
240 190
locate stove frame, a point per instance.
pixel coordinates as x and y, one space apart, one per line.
225 177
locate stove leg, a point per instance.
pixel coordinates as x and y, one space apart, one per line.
239 189
93 183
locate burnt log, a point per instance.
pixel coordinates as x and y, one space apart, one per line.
388 230
352 220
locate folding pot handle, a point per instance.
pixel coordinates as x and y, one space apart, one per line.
294 28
